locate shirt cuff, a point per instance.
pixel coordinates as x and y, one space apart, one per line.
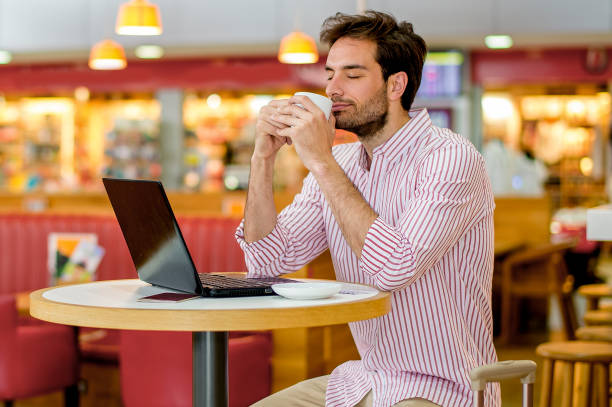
380 243
274 244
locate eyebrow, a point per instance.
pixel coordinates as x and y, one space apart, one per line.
346 67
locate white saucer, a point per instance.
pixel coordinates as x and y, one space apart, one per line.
307 291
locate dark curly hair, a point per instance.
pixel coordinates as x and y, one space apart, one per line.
398 48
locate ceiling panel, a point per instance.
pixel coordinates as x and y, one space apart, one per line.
28 26
546 16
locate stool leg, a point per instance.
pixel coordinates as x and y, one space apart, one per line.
548 370
506 315
71 396
602 384
591 303
568 384
582 389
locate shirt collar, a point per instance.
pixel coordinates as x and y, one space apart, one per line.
403 139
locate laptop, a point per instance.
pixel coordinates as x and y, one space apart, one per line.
158 249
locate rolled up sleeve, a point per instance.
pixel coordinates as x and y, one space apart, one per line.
297 238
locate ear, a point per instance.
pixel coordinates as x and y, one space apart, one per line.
396 85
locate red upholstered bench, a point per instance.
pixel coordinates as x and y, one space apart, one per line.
23 244
156 368
23 263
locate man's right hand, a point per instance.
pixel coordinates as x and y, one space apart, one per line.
267 140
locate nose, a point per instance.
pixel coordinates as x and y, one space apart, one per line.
333 88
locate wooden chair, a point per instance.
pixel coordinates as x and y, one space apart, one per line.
588 387
536 271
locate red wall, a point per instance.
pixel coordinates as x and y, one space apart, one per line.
223 73
265 73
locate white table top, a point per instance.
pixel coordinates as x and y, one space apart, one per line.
125 293
113 304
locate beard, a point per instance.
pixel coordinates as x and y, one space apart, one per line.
368 118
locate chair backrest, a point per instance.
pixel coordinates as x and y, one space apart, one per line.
538 253
541 268
23 244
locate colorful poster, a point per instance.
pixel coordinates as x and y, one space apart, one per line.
73 257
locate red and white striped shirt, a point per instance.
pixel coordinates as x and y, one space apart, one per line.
431 247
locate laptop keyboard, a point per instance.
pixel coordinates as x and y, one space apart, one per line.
220 281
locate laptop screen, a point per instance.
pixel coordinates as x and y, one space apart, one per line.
152 235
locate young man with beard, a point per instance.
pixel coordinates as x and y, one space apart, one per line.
407 209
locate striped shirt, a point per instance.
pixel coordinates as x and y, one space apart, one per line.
431 247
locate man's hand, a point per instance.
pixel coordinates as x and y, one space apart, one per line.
311 133
267 138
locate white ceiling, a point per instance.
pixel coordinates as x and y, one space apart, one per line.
66 29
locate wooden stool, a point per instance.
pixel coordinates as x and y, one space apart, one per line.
595 333
591 387
598 317
593 293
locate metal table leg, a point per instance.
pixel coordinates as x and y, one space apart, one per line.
210 369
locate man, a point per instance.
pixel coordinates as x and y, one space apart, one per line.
407 209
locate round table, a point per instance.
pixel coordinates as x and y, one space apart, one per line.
113 304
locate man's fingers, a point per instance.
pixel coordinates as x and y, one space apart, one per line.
278 102
295 110
306 103
287 120
286 132
274 123
267 128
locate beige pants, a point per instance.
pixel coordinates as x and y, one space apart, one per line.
311 393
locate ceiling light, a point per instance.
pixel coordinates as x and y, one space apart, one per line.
298 48
5 57
213 101
498 41
107 55
138 17
149 51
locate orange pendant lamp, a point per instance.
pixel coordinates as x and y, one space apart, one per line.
138 17
298 48
107 55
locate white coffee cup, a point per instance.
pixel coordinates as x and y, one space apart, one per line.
325 104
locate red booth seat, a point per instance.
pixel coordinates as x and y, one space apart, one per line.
23 263
156 368
35 359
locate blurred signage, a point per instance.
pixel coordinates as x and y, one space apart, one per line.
441 74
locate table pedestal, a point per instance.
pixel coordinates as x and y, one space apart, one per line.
210 369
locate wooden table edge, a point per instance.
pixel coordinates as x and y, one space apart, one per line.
206 320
